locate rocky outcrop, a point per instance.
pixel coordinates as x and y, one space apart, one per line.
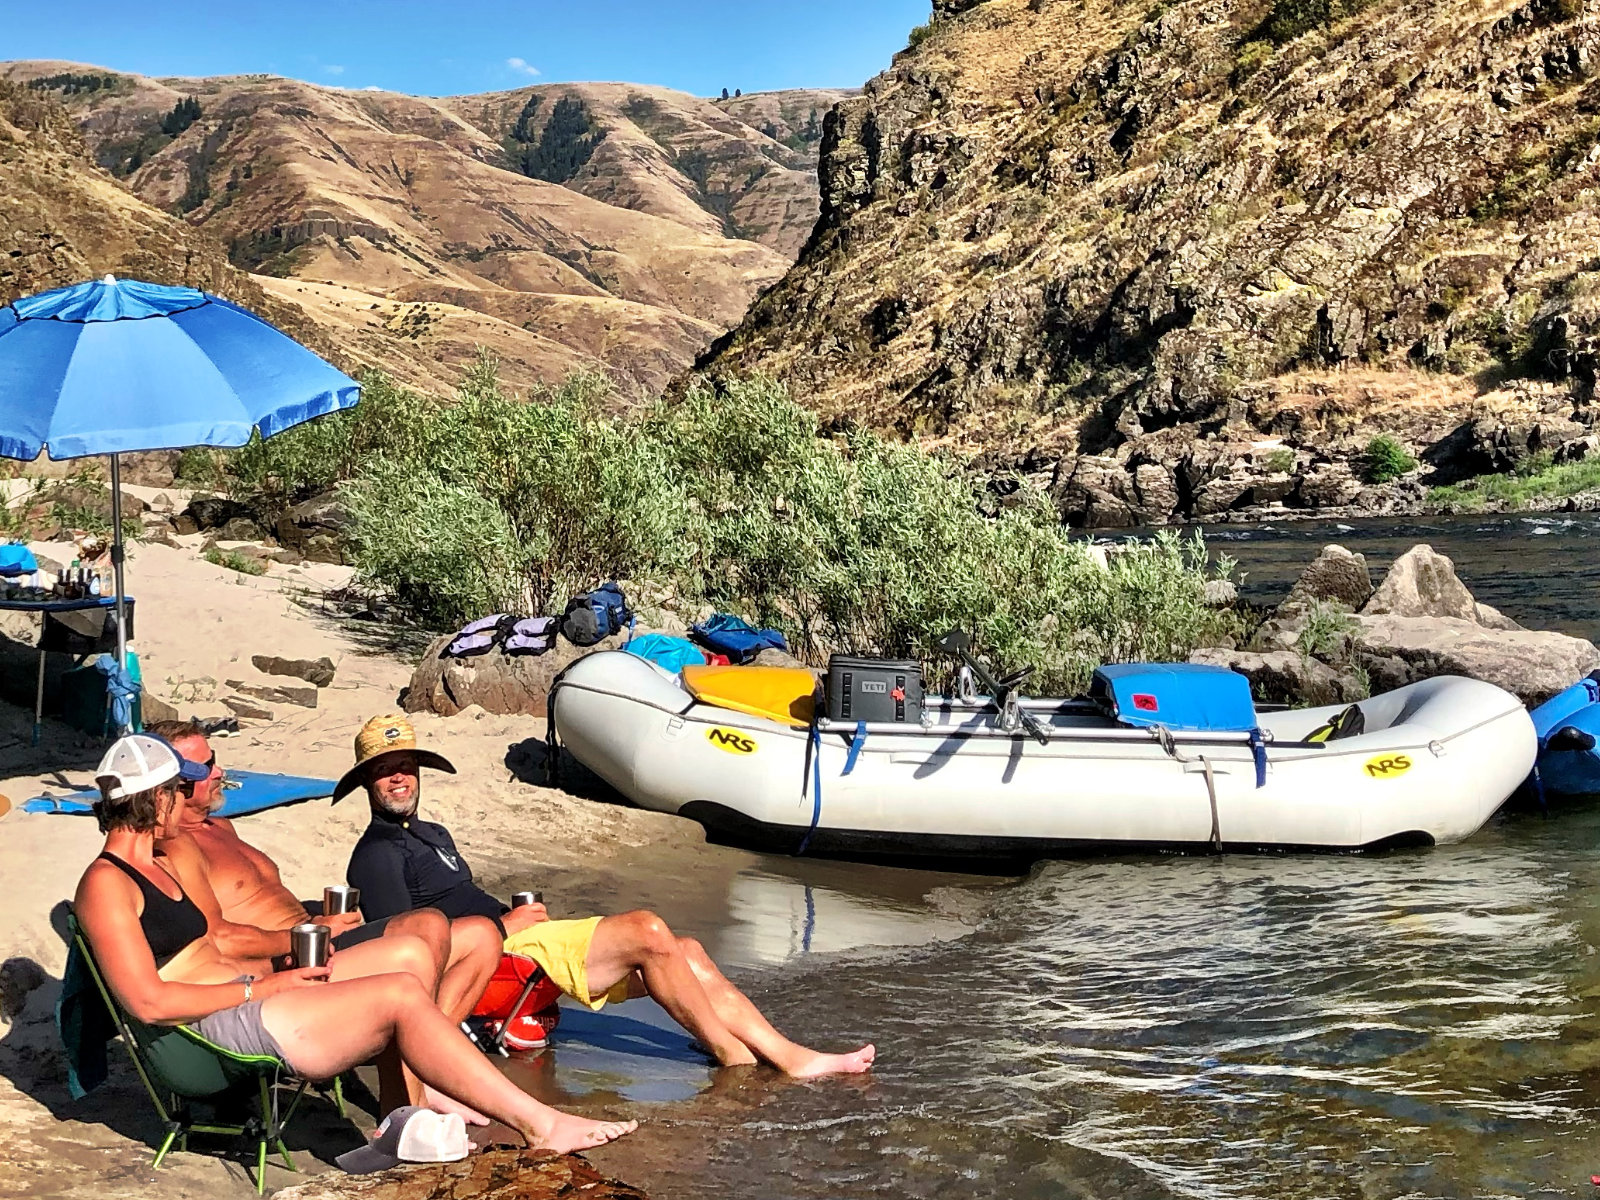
491 1175
1186 261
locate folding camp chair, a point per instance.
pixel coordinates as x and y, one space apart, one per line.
518 987
177 1065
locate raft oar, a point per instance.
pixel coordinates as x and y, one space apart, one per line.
958 643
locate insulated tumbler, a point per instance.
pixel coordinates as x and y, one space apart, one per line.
340 899
519 899
309 946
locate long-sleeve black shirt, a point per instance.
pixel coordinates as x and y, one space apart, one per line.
406 864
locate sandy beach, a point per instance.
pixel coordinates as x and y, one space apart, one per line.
198 625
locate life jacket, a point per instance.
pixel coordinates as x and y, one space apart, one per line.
478 637
530 635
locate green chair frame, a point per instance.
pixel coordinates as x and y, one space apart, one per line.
176 1062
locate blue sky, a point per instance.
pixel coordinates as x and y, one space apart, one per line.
457 46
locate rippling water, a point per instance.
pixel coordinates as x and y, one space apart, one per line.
1418 1024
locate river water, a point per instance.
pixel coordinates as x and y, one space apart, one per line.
1413 1024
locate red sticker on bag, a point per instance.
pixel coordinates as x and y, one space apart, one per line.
1145 702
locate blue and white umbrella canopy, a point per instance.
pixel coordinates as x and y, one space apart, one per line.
117 365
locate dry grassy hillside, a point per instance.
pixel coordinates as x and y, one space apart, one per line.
411 234
1185 259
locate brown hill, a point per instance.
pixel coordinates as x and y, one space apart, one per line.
408 231
1186 259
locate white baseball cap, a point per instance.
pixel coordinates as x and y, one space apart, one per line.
141 761
410 1134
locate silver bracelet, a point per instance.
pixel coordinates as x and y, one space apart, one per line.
249 987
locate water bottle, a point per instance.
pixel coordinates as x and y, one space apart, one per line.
94 583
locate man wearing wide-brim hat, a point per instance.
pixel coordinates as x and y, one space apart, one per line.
403 862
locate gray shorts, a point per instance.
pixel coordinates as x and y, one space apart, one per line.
240 1031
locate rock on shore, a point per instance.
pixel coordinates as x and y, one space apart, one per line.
1335 635
492 1175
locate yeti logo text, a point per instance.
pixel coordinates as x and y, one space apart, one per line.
731 740
1387 766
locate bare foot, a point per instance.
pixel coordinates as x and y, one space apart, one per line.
441 1103
854 1063
568 1133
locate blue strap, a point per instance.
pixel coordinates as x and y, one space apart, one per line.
1538 787
1258 751
815 746
857 740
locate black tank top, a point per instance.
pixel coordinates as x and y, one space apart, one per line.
169 925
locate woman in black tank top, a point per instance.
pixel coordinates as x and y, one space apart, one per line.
140 923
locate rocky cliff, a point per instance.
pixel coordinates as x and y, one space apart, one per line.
1187 260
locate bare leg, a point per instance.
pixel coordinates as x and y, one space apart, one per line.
747 1024
393 952
475 949
640 941
366 1014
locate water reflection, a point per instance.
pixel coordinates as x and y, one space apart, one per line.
777 918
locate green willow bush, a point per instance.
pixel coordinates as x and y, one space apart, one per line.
729 497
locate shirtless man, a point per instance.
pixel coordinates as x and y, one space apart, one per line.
402 862
250 912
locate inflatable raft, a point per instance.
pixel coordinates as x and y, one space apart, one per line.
1568 726
1140 764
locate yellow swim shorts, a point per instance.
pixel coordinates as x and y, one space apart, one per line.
562 949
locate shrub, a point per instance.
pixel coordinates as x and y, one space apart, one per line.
1327 634
1386 459
1280 462
918 35
729 497
234 561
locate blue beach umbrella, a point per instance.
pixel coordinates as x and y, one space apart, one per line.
116 365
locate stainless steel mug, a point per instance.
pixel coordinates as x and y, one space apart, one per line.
309 946
519 899
340 899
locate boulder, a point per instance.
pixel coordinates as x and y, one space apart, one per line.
315 528
1220 593
1335 576
1286 677
1423 583
1396 650
496 682
318 672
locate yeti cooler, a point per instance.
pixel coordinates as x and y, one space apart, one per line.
874 689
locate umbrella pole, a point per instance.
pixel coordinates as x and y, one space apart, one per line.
116 559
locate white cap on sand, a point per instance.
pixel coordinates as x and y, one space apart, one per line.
410 1134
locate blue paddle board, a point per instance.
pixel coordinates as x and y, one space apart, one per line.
246 792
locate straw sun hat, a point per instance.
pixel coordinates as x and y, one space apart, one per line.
389 733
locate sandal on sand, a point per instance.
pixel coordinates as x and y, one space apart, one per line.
217 726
